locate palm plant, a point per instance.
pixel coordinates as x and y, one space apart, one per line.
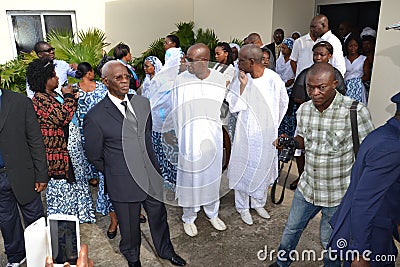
187 37
89 46
13 72
208 38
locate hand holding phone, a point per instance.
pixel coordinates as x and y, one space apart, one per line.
69 88
83 259
64 239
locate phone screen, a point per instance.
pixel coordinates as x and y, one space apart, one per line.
63 241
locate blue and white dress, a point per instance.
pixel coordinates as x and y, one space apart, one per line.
352 79
81 165
86 101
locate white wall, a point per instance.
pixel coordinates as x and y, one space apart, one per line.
386 73
292 16
89 13
235 18
139 22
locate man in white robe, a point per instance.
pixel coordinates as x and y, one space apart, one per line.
196 101
259 95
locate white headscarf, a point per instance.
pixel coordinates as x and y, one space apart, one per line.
235 45
157 67
368 31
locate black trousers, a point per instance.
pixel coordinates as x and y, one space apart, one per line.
129 225
10 221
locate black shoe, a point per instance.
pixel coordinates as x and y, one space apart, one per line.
142 218
135 264
177 260
111 235
274 265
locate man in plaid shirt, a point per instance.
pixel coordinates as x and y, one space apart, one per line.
324 131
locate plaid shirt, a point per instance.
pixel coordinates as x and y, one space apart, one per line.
329 149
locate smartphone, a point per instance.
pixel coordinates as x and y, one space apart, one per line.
74 86
64 240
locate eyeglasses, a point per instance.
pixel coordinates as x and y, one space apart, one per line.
191 60
48 50
121 77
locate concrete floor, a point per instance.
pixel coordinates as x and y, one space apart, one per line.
239 245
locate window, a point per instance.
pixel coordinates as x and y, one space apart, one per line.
29 27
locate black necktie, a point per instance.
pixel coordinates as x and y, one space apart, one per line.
128 113
125 104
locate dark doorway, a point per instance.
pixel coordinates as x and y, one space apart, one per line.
360 14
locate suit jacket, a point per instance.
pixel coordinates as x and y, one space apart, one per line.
123 151
271 47
22 146
370 210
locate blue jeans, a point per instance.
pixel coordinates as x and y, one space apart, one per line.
300 214
10 221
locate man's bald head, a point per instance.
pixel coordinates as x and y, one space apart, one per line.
321 68
108 67
200 50
321 18
197 57
254 38
252 51
319 26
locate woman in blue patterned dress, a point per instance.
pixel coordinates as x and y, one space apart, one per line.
90 93
358 71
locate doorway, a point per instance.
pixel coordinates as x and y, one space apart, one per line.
360 14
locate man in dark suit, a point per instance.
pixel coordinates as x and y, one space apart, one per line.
368 217
118 143
23 171
275 46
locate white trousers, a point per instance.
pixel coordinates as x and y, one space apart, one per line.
244 202
190 214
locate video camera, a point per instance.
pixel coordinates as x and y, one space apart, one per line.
289 147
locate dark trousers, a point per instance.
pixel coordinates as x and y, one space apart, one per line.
10 221
129 225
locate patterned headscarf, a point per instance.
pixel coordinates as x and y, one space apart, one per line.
155 62
157 67
289 43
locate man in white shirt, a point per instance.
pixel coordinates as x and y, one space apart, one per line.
196 101
319 28
62 68
302 54
260 98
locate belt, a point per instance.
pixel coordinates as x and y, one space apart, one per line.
2 169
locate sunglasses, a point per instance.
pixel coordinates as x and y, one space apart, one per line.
48 50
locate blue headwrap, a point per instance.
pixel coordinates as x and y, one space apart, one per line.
289 43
